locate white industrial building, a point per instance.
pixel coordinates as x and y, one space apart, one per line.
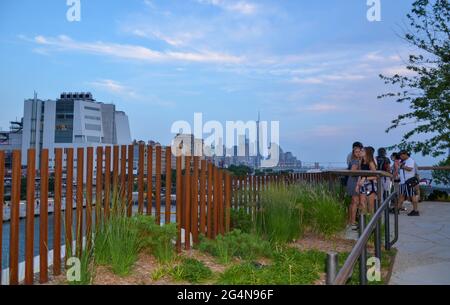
73 120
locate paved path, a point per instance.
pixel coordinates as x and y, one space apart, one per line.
424 247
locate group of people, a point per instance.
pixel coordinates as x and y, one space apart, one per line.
363 190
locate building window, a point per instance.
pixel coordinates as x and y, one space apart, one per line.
91 108
93 127
91 117
93 139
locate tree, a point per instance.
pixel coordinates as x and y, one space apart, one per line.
428 89
442 176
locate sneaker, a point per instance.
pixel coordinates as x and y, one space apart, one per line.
392 210
414 213
355 227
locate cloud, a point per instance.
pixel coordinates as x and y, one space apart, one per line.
241 7
114 87
319 107
133 52
320 79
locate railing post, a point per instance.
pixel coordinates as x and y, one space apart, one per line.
332 267
378 225
363 257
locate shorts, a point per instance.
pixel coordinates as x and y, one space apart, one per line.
407 190
368 188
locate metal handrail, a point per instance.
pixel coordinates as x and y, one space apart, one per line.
346 270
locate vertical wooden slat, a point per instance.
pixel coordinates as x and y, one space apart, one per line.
69 202
29 237
130 180
99 186
202 197
187 204
57 213
89 177
194 203
215 213
227 202
209 221
141 179
179 201
235 193
115 172
2 198
80 181
43 219
123 172
14 221
158 184
149 179
107 182
168 183
220 212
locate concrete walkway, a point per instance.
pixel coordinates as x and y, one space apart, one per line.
424 247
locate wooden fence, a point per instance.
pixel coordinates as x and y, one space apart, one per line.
86 179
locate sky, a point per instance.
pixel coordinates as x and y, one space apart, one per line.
311 65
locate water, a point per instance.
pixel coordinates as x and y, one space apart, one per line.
22 226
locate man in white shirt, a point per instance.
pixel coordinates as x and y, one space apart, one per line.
407 191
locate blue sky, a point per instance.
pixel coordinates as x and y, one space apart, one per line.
312 65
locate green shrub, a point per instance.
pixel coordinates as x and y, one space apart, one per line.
235 244
290 267
191 270
158 239
117 243
288 211
241 220
280 217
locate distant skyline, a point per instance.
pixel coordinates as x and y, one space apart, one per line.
312 65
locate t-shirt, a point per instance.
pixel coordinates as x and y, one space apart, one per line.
349 160
404 174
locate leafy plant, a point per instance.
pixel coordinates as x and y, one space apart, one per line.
235 244
159 239
290 267
191 270
241 220
117 240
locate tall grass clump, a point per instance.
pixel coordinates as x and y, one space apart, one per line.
288 211
158 239
117 240
322 211
280 217
235 244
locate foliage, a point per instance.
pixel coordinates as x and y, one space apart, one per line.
288 211
240 170
191 270
235 244
442 176
117 243
86 267
438 195
280 216
158 239
427 90
290 267
241 220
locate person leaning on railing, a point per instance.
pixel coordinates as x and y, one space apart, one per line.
354 163
367 186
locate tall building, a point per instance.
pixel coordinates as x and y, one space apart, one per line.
73 120
11 140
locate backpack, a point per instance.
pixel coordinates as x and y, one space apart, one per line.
383 164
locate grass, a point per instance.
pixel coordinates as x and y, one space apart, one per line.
289 267
191 270
158 239
235 244
287 212
241 220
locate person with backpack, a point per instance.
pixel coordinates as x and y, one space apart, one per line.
384 164
408 182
